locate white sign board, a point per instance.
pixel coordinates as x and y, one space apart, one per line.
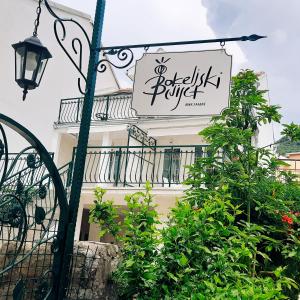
182 83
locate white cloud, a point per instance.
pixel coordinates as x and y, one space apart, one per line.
279 36
278 55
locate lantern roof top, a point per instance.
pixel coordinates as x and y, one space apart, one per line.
35 42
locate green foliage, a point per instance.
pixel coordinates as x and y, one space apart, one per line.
104 213
138 237
242 288
235 234
209 254
286 146
137 271
263 194
292 131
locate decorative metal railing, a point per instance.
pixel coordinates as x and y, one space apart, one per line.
112 107
134 165
41 207
163 166
20 172
19 165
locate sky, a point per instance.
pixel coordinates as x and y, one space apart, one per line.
148 21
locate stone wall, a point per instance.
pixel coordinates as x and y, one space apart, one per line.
92 265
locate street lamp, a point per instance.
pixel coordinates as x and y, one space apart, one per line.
31 58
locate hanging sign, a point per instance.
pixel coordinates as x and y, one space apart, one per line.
182 83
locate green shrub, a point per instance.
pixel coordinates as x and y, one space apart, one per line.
104 214
137 272
235 234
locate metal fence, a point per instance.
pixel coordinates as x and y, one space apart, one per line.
134 165
17 163
27 244
20 174
112 107
160 165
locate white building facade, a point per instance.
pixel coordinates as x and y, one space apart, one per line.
125 151
39 111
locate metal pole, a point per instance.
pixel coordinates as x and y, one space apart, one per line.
107 107
118 156
80 157
244 38
171 166
127 157
78 109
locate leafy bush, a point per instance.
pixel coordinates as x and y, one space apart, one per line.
137 272
104 214
209 254
235 234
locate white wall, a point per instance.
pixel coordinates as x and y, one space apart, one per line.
265 131
40 110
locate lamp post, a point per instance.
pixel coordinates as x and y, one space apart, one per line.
30 63
79 163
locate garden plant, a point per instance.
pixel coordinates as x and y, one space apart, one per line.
235 234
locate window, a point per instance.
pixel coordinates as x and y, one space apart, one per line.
171 168
114 166
199 152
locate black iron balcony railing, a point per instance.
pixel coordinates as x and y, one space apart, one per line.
20 172
19 165
135 165
112 107
162 166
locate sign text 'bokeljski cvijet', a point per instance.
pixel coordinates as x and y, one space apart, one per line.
182 83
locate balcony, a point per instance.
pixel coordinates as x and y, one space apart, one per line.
133 166
111 107
19 172
115 107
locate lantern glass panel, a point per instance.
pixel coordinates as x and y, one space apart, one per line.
40 71
32 60
19 62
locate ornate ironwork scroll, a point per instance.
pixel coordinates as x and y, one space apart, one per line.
33 216
141 136
124 55
76 44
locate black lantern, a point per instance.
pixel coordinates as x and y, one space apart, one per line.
31 58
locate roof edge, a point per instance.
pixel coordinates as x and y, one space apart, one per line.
68 9
298 152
